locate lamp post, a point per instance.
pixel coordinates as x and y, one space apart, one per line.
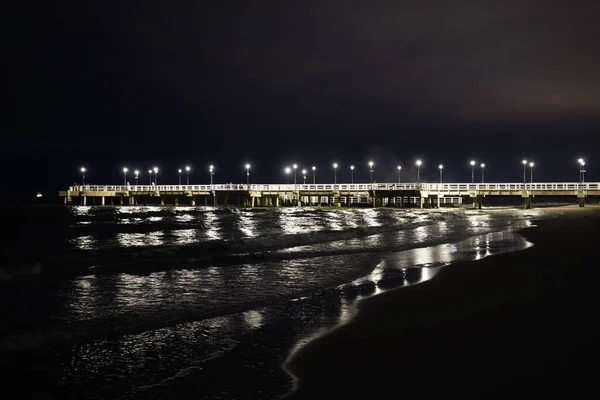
352 174
125 176
179 170
581 170
531 164
371 170
83 176
524 171
288 170
304 177
137 175
335 173
418 171
314 169
472 171
156 175
482 167
150 177
187 174
441 167
295 166
399 173
247 174
211 170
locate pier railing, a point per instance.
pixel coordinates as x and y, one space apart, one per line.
432 187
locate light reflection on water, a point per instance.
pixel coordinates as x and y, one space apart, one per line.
246 224
140 239
164 295
84 242
121 300
184 217
185 236
253 318
211 227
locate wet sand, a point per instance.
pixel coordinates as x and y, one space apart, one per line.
515 324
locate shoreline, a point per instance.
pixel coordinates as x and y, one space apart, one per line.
456 332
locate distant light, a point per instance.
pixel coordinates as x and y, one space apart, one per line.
125 170
352 167
295 166
136 172
187 168
531 164
304 171
314 168
419 162
371 164
472 162
149 171
179 170
399 168
482 165
39 194
210 168
288 170
82 169
155 169
580 161
524 162
335 165
441 166
247 166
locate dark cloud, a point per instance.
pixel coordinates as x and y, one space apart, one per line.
356 75
467 59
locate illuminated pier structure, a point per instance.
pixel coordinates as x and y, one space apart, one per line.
423 195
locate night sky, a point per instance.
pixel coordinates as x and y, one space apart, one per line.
168 83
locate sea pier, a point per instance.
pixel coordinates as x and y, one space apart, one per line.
422 195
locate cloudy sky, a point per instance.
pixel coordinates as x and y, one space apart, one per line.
313 82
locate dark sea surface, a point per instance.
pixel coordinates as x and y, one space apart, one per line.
190 303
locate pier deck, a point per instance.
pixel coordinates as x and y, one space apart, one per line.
376 194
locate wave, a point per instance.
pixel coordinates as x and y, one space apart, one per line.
223 252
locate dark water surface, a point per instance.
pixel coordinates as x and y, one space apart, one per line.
149 302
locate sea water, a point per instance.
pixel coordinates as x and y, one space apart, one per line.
151 302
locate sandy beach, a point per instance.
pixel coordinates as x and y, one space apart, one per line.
515 324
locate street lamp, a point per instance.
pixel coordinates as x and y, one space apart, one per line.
335 173
125 176
482 167
83 175
371 170
418 171
531 164
179 170
524 171
314 169
472 171
247 174
441 167
187 173
399 172
304 176
150 175
156 175
581 170
288 170
352 174
137 175
211 170
295 166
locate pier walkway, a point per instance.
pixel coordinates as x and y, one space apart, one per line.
375 194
